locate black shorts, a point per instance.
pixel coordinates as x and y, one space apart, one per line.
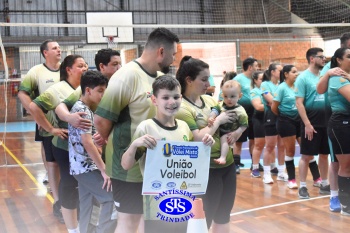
339 136
258 128
127 196
248 133
48 148
287 127
220 196
331 152
319 143
38 137
271 130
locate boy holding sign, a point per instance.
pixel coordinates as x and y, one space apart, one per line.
167 98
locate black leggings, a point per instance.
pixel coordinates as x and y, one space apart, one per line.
220 196
68 187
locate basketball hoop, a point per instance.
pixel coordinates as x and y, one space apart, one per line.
111 43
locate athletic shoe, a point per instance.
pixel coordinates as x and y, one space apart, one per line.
267 179
274 171
261 168
345 210
303 193
334 204
317 183
241 164
46 179
57 211
292 184
255 173
325 190
238 170
282 176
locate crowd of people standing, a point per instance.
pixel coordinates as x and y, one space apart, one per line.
88 120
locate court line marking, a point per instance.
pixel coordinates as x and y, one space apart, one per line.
275 205
39 185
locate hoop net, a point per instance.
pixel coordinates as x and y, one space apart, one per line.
111 44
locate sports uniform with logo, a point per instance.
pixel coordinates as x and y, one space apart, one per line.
240 119
221 191
38 79
180 132
305 87
258 116
126 102
288 123
47 101
246 103
269 117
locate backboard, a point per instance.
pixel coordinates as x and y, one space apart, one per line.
97 35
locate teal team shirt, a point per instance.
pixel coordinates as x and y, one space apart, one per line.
285 95
245 87
338 103
305 87
256 93
268 87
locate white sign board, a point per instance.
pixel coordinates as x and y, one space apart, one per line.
176 165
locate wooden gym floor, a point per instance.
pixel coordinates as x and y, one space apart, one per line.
25 205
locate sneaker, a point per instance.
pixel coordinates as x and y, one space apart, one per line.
345 210
303 193
57 211
334 204
238 170
46 179
268 179
325 190
255 173
261 168
241 164
317 183
282 176
292 184
274 171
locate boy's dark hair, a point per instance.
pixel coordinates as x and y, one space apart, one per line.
164 82
189 67
67 62
161 36
312 52
104 56
248 62
43 46
92 79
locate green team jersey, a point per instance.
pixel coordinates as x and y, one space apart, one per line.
285 95
126 102
38 79
197 118
338 103
49 100
305 87
180 132
72 98
245 87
